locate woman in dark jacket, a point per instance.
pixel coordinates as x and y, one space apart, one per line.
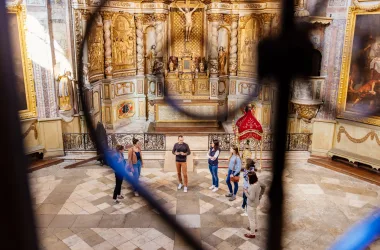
213 155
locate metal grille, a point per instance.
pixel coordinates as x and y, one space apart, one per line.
83 142
294 142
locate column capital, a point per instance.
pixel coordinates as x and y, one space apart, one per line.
235 18
107 15
85 14
267 17
160 17
215 17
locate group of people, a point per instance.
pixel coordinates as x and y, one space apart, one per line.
134 165
252 190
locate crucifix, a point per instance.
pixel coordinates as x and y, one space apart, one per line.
188 18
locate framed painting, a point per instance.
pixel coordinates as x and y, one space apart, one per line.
22 65
359 89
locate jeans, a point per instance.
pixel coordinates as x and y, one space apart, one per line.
137 171
117 190
214 174
244 205
228 181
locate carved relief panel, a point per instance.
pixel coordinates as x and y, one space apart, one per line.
124 88
249 35
123 45
96 51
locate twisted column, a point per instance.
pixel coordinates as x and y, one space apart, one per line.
107 22
140 43
214 19
234 44
160 20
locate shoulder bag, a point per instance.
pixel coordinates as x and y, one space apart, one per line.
235 178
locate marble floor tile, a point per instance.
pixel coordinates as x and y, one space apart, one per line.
74 209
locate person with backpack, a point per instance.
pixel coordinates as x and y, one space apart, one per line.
135 161
213 155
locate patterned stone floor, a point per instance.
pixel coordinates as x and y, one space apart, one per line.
74 209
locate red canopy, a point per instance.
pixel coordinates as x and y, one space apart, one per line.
249 127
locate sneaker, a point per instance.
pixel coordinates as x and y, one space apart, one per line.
185 189
240 208
232 198
212 187
179 186
116 201
137 194
215 189
249 229
244 214
120 197
229 195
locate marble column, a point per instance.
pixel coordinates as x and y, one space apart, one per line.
234 45
214 20
85 16
140 43
107 23
267 20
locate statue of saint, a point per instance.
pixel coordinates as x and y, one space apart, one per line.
188 20
201 67
171 66
65 92
151 59
222 61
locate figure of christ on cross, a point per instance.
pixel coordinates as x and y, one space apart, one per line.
188 18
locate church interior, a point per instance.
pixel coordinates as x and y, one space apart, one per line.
156 69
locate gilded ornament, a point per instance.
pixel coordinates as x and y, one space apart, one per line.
307 111
214 17
372 135
159 17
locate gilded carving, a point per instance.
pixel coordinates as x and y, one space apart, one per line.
123 43
232 87
140 43
107 16
234 45
95 51
140 87
195 45
306 111
372 135
215 17
78 32
250 34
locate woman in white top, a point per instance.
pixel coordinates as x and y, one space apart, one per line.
253 201
212 156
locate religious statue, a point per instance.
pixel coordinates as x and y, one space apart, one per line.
201 67
222 60
247 51
171 66
65 92
188 19
151 59
193 67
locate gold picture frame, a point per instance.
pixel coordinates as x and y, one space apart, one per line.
22 64
350 103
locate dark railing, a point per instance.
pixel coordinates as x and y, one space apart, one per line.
295 142
83 142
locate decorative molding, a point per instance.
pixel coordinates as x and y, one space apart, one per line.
372 135
368 8
320 20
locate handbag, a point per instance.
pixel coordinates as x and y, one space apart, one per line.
235 178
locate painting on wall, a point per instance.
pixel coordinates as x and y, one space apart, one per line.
359 91
22 65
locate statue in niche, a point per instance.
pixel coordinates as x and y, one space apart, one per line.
222 60
247 51
171 66
201 67
151 59
188 19
65 92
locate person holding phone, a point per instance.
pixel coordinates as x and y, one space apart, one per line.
181 150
